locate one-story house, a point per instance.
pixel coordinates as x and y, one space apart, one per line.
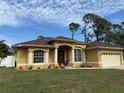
62 51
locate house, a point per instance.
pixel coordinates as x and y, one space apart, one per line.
62 51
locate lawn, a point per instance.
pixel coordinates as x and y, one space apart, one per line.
61 81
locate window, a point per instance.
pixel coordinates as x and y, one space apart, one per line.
77 54
38 56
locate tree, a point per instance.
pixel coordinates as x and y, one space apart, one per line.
102 29
4 49
118 37
85 31
73 28
109 37
99 25
87 27
122 23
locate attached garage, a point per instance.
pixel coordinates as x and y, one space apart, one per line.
104 55
111 59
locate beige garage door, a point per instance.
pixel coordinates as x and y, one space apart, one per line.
110 59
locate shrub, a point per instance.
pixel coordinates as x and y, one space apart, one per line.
82 65
85 65
62 66
38 67
49 66
89 65
30 67
56 67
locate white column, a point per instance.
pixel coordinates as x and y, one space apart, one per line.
47 57
30 57
122 59
72 55
56 55
84 59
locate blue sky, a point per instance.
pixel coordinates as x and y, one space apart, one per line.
22 20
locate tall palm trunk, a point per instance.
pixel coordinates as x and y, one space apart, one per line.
72 36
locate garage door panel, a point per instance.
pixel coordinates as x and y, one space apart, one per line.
110 60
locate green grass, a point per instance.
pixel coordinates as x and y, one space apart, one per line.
61 81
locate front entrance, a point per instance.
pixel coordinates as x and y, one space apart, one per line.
63 56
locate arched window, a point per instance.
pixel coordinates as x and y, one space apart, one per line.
38 56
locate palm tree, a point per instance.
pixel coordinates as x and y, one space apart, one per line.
73 28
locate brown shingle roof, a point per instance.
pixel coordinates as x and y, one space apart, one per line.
45 41
97 44
62 37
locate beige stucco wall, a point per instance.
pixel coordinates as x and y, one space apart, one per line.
110 50
92 55
51 56
22 56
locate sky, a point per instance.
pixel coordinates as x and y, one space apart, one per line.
24 20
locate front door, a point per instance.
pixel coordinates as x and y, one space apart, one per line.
61 55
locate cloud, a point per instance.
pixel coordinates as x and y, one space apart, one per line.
61 12
7 16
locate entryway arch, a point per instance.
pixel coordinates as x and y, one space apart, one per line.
64 55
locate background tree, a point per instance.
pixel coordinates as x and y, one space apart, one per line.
85 31
100 28
122 23
109 37
4 49
73 28
99 25
118 37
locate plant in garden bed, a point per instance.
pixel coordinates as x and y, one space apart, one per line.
56 67
86 65
50 66
38 68
30 67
